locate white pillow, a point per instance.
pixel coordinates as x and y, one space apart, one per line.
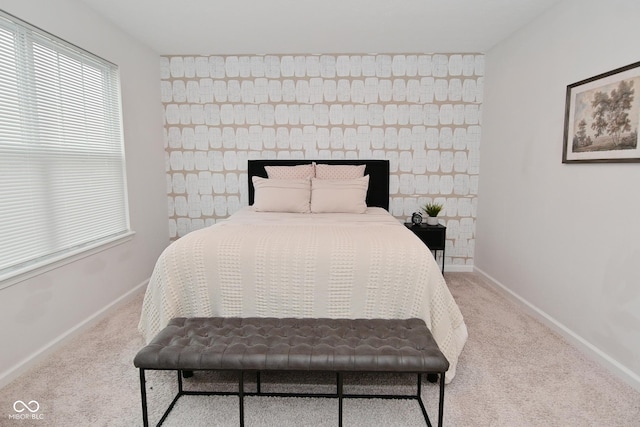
339 195
291 172
281 195
324 171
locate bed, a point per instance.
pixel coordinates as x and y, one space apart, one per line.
319 264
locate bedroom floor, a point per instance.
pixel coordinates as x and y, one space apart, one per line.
512 371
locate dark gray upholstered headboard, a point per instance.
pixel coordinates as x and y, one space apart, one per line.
378 171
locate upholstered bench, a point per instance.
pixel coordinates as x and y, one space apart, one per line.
290 344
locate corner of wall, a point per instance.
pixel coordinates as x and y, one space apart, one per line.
619 370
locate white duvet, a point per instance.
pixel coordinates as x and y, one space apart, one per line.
304 265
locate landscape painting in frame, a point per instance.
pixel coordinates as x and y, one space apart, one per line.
602 117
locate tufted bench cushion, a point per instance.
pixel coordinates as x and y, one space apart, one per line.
293 344
372 345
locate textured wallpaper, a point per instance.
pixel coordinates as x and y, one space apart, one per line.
420 111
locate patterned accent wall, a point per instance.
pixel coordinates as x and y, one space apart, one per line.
420 111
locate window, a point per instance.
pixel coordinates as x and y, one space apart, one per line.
62 169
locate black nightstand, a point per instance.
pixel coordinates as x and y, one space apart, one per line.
434 236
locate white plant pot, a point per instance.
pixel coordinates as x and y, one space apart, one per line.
432 220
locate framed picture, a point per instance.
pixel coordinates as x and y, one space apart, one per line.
602 116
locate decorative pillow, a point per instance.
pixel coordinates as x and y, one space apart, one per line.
281 195
339 195
339 171
291 172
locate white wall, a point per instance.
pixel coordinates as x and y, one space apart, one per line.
35 313
563 238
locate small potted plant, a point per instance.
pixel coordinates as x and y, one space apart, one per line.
432 210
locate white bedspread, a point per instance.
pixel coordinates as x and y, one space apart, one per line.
304 265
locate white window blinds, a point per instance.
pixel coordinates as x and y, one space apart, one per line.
62 170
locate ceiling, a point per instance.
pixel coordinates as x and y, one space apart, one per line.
319 26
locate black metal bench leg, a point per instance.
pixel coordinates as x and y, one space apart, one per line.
143 393
241 396
173 402
339 384
441 403
419 398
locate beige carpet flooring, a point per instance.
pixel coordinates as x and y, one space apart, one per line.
513 372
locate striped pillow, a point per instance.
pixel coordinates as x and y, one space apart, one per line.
281 195
347 196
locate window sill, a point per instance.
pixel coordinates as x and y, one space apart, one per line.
28 272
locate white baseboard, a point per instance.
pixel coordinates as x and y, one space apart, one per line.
53 345
458 268
591 351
